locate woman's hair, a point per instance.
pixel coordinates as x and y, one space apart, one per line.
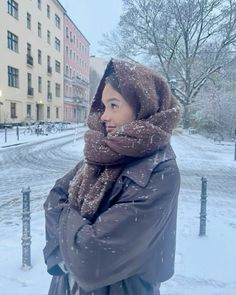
113 81
132 101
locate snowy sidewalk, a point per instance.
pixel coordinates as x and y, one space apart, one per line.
204 265
11 140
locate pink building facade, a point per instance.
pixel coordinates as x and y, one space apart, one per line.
76 73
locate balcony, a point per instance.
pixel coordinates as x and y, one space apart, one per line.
30 91
76 80
29 60
49 96
49 70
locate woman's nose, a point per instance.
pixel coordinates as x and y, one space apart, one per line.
105 116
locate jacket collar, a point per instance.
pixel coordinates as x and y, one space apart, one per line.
140 171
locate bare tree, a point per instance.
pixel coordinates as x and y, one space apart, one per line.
188 40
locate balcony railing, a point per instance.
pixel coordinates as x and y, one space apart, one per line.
29 60
49 96
30 91
76 80
49 70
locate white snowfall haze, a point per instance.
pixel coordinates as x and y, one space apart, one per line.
204 265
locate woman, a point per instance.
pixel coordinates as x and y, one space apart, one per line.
111 221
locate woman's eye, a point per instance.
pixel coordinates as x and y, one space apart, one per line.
114 106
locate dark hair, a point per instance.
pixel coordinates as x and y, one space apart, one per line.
113 81
132 101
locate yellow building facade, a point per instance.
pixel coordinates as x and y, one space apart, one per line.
31 60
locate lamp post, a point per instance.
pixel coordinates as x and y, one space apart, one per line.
77 101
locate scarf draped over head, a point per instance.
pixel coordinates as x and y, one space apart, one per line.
107 154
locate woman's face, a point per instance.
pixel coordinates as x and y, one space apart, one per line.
117 111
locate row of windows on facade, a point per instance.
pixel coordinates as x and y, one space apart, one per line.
13 111
76 59
71 112
71 91
13 10
13 41
13 45
72 74
83 49
13 81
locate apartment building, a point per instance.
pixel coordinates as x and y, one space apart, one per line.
31 63
76 73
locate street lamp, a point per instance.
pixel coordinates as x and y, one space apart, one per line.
77 101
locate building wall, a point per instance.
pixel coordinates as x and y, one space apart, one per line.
39 101
76 73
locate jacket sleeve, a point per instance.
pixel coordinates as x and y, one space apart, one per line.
115 246
57 196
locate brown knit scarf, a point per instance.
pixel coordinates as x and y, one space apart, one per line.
106 155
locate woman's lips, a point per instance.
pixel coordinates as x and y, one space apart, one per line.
109 128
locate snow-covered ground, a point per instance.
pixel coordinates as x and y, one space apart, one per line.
204 265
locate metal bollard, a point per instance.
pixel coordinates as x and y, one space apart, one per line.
5 134
26 238
203 213
17 132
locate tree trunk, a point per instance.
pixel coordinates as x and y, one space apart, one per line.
186 117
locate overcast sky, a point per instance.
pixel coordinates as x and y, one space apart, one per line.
93 18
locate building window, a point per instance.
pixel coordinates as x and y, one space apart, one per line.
49 65
13 110
12 41
48 112
39 30
67 70
58 90
30 89
39 84
28 111
49 87
29 79
74 113
28 48
67 51
13 77
39 56
57 44
12 8
57 66
29 59
28 21
67 32
57 21
48 11
39 4
57 113
49 37
70 53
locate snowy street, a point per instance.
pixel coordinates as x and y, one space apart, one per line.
205 265
37 165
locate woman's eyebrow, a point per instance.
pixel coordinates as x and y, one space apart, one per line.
113 99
